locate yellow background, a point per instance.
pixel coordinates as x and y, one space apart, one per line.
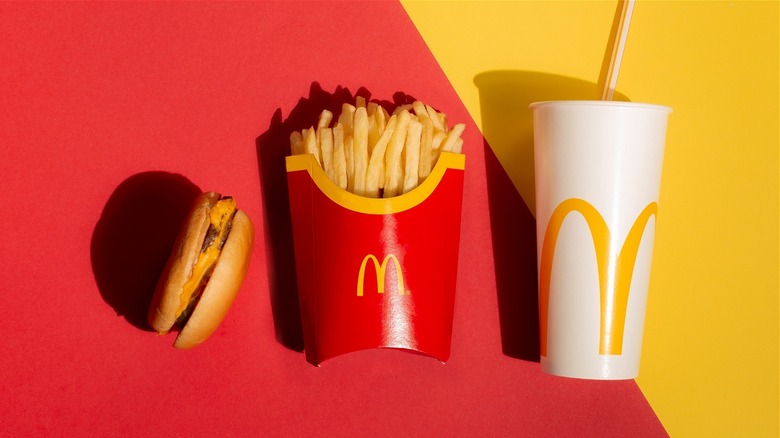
710 354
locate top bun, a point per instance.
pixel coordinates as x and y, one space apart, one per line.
222 287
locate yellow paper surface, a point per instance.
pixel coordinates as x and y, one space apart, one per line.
710 355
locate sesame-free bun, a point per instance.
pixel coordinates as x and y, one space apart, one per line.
221 289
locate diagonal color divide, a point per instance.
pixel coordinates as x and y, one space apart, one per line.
715 239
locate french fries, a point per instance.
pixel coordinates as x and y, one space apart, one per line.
372 153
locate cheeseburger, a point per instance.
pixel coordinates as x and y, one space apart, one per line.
204 271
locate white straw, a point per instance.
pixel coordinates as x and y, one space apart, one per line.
627 7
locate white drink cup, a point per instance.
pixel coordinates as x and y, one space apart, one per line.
597 176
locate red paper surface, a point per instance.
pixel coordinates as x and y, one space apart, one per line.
106 106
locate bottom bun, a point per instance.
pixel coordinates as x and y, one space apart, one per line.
178 269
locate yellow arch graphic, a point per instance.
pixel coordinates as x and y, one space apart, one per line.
613 290
380 273
361 204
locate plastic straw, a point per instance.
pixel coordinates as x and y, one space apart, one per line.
610 81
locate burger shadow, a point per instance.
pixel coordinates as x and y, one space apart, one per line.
272 147
507 127
133 238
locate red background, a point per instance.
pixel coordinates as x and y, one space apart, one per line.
113 115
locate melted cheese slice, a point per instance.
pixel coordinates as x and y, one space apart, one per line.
220 216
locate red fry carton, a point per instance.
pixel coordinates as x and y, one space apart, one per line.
376 273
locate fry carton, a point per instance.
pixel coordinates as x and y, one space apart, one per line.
376 272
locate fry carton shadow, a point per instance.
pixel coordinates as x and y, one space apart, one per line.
272 147
133 238
507 127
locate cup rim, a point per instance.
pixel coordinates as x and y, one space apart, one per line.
600 103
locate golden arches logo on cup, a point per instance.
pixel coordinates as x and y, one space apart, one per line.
381 273
615 269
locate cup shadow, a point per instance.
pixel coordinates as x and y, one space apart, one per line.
507 127
133 237
272 146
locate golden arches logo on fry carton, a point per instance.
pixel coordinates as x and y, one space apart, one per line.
615 270
375 202
381 271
